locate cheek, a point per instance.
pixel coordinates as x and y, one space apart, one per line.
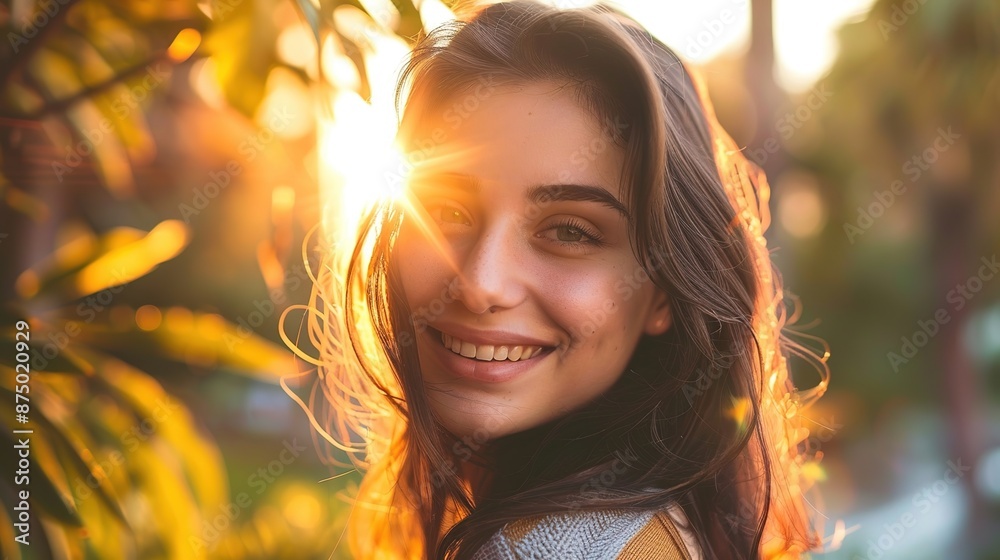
423 272
604 323
596 306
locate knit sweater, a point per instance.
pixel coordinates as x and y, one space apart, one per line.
602 535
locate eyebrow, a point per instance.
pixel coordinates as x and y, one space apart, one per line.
543 194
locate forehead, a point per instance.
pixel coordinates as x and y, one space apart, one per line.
539 132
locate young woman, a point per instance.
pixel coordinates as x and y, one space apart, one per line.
565 340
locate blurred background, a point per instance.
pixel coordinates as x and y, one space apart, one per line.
163 162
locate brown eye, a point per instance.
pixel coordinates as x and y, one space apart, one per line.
570 234
449 215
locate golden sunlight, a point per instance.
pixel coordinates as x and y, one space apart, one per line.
359 161
148 317
433 14
805 33
124 264
184 45
801 209
359 164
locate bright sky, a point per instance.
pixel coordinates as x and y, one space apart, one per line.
804 30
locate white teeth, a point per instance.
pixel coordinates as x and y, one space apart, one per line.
489 352
484 353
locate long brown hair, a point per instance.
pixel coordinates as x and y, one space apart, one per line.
704 416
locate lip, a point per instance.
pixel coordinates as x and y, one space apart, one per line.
492 336
478 370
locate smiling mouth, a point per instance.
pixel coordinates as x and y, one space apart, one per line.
491 352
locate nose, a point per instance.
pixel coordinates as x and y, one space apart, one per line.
491 273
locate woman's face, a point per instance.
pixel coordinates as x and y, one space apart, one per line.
515 260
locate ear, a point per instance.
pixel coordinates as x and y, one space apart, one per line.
658 320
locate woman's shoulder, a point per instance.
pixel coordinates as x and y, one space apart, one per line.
606 534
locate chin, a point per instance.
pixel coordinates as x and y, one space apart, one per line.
473 420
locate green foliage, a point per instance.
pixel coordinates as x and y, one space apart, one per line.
120 467
907 76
